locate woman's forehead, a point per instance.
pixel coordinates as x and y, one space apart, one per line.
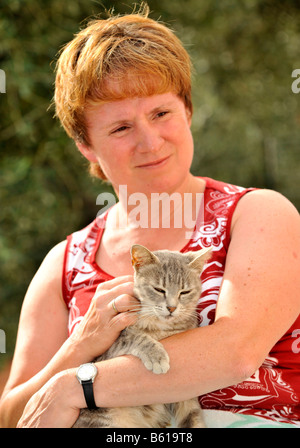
110 113
128 85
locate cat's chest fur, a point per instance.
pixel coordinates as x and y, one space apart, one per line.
168 287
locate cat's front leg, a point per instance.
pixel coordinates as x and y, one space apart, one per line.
148 350
153 355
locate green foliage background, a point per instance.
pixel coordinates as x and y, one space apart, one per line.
245 124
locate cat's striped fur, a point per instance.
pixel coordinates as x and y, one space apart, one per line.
168 286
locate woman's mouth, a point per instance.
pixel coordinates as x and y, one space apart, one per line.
154 163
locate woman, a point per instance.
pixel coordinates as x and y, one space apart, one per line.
123 94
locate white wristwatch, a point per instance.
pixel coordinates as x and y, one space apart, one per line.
86 373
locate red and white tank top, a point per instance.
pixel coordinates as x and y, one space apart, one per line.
273 391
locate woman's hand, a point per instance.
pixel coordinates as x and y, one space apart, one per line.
57 404
54 405
111 310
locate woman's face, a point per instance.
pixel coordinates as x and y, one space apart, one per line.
143 143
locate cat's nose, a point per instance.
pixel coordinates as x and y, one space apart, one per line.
171 308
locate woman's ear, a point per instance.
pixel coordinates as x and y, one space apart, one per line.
189 116
87 152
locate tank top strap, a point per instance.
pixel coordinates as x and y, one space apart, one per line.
214 219
79 260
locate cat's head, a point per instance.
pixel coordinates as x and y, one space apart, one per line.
168 283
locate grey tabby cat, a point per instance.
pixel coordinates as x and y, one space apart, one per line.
168 286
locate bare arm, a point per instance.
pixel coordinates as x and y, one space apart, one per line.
43 348
259 301
35 347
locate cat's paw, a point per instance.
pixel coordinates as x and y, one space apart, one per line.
158 366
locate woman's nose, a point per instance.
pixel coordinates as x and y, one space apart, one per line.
148 139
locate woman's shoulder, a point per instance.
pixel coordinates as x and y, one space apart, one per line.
269 205
53 260
49 274
247 202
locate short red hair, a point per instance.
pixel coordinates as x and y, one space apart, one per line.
142 56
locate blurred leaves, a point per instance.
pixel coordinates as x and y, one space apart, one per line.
45 190
245 123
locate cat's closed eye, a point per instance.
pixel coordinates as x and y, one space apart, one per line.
185 292
161 291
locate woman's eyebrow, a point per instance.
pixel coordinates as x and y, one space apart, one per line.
164 105
120 121
117 123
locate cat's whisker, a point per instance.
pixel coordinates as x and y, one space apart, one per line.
134 310
169 298
146 314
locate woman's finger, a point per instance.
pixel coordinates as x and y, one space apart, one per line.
102 297
110 284
122 320
123 303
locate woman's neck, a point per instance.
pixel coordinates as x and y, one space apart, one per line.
159 210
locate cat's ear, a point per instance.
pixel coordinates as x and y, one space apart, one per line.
201 257
141 256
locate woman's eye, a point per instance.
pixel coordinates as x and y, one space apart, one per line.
161 291
161 114
120 129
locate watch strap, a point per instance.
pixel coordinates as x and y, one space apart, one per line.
88 391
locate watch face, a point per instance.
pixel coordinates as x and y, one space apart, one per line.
87 372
